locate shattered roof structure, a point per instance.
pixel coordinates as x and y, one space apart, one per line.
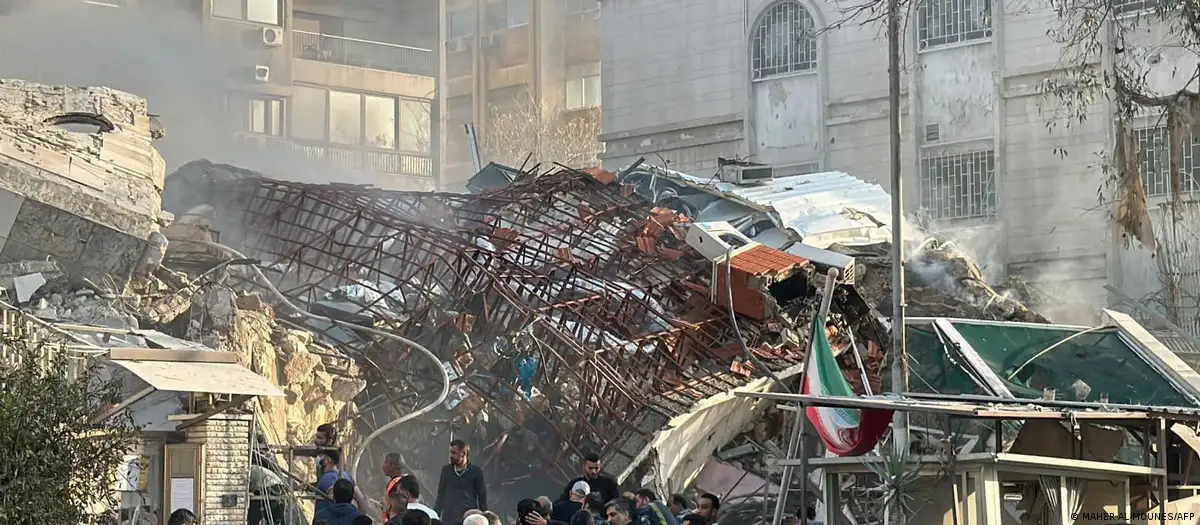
574 312
79 178
840 212
820 208
570 308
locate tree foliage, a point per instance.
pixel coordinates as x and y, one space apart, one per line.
1141 56
533 132
56 466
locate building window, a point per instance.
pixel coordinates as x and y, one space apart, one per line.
259 11
1155 162
785 41
358 119
415 125
1122 7
583 87
345 117
309 108
583 7
264 116
943 22
460 24
503 14
959 186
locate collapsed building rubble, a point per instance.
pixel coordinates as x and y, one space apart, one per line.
572 310
571 313
81 250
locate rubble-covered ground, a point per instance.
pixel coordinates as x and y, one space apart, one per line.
568 313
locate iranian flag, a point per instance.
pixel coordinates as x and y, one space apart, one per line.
845 431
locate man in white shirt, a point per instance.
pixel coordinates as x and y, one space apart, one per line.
412 490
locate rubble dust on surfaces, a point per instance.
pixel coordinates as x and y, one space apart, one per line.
940 282
571 315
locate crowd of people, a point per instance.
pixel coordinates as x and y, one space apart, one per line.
593 498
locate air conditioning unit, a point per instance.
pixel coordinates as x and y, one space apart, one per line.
489 40
272 36
747 174
457 45
262 73
715 240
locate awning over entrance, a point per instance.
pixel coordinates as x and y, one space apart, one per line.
208 372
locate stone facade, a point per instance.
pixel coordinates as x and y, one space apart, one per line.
983 145
80 181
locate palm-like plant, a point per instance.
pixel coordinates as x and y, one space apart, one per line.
895 474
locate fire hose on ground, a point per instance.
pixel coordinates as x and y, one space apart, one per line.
437 363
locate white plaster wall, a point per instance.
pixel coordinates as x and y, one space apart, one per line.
670 61
690 439
787 119
1050 226
958 92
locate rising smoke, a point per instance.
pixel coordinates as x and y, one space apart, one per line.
159 51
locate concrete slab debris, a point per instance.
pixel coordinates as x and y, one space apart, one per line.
79 178
26 285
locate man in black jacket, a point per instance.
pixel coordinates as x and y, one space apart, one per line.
460 487
598 481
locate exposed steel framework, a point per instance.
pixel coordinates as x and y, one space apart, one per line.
567 274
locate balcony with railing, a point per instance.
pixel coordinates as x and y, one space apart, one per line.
416 171
363 53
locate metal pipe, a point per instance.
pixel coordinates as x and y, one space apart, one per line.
899 357
785 481
437 363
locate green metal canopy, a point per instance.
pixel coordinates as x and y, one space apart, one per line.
1022 360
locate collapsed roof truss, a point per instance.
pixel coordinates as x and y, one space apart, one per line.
560 267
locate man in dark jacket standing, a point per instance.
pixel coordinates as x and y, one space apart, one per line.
595 478
342 511
460 487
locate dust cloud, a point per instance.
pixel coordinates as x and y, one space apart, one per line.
159 51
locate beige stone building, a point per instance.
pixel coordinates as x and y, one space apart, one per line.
760 80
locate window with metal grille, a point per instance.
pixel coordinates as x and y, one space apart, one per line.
959 186
1155 162
583 7
942 22
785 41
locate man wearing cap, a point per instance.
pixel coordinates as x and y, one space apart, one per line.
565 509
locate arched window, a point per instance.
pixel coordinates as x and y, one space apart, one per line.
785 41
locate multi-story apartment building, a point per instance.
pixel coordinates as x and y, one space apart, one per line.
693 80
344 87
347 83
503 54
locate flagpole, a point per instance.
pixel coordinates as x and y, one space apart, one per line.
799 443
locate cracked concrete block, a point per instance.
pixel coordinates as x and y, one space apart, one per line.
85 196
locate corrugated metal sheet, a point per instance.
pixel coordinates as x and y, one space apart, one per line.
822 208
212 378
